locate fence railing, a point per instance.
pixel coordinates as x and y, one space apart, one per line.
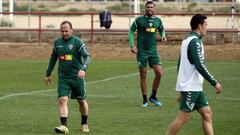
96 31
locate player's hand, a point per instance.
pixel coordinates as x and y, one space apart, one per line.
179 99
164 39
218 88
134 50
48 80
81 74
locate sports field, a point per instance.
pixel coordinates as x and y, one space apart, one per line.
29 107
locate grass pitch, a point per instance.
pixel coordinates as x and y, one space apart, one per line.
29 107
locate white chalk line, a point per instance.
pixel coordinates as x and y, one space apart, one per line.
92 82
103 96
160 96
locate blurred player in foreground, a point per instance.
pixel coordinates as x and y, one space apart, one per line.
73 57
146 49
191 71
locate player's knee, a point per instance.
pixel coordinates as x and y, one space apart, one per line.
82 102
143 78
158 74
183 120
207 115
63 100
143 75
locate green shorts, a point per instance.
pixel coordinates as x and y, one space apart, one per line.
151 59
74 87
193 100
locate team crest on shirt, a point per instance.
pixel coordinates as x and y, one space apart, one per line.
70 46
150 24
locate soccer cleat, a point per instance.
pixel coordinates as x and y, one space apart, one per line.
145 104
85 128
155 101
61 129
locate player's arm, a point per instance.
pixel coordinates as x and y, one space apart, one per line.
162 32
51 64
195 57
86 57
131 37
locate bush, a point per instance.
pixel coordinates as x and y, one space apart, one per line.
5 23
23 8
123 7
191 6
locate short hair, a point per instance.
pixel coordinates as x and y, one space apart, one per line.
67 22
196 20
149 2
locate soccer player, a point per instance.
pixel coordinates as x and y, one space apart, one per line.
191 70
146 49
73 57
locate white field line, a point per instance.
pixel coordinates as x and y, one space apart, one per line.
25 93
92 82
117 96
104 96
232 78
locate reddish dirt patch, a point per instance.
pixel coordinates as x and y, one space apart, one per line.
16 51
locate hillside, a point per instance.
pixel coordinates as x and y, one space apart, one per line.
63 6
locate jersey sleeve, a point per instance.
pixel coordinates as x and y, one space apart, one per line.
86 56
131 38
195 57
161 29
52 62
131 33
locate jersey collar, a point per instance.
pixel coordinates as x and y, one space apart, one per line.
151 17
67 39
195 34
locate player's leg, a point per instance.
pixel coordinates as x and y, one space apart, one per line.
143 84
178 122
142 64
187 105
63 108
79 92
158 74
83 108
204 109
63 112
63 92
154 63
206 114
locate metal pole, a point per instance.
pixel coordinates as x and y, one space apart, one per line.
11 12
136 7
92 29
39 29
130 10
1 10
233 18
29 23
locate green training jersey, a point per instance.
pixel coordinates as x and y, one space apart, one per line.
146 32
72 55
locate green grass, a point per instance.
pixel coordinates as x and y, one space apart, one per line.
29 107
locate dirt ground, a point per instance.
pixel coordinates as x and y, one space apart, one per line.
20 51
